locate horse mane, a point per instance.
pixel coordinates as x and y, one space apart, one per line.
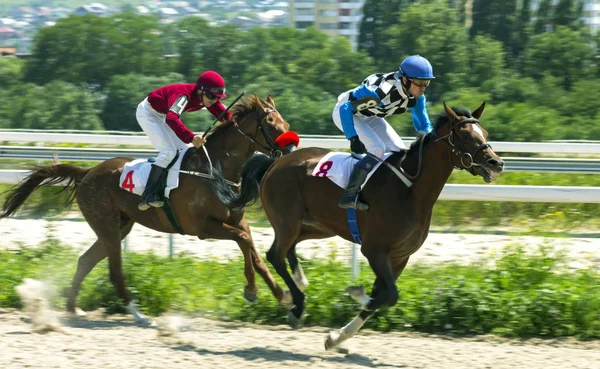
440 120
240 110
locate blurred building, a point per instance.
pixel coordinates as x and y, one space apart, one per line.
333 17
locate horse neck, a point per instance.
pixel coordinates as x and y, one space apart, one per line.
436 168
229 148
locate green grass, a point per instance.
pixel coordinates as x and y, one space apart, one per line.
521 295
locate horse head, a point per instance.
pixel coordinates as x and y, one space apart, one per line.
261 123
467 141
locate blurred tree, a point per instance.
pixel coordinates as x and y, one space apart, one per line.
522 29
91 49
567 12
378 17
486 61
433 31
11 71
57 105
124 93
564 53
543 16
495 18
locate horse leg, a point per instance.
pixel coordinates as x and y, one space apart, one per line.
241 235
336 337
284 239
307 233
297 271
86 263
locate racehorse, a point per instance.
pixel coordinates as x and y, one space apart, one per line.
111 211
302 206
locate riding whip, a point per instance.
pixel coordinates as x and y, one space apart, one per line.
223 113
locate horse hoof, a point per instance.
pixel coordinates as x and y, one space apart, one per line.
331 340
143 321
356 291
294 321
250 296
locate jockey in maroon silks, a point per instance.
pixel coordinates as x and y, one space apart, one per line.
159 116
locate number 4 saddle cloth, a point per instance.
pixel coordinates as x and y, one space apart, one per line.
135 175
337 166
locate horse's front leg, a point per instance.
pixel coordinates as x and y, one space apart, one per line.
384 293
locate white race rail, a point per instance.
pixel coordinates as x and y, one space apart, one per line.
330 142
564 194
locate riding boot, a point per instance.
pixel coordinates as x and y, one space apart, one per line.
150 197
350 197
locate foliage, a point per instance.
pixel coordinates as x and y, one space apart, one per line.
520 295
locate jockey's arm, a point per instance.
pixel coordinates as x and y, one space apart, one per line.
217 108
175 123
364 97
420 118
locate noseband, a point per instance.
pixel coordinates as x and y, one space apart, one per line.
274 152
448 140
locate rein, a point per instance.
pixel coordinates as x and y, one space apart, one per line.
447 140
272 148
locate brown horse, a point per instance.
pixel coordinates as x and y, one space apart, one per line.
111 212
301 206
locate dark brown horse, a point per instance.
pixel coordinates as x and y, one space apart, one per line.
301 206
112 211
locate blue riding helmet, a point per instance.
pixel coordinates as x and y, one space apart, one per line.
416 66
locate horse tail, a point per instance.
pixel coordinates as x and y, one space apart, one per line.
42 177
252 173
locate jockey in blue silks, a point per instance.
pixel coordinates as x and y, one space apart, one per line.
360 113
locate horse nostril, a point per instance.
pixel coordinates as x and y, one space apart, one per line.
496 163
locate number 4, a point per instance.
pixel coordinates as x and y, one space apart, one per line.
128 182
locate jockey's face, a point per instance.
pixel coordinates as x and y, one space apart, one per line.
417 87
208 99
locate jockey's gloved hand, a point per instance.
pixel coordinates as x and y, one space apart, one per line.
357 146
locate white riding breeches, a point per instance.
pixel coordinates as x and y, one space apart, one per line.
376 134
160 134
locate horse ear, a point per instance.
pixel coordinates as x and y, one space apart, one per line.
479 111
270 101
450 112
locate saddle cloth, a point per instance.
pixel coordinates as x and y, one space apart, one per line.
135 175
337 166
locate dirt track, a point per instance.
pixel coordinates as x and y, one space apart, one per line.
115 342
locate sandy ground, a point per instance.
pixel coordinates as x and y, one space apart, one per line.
182 343
100 341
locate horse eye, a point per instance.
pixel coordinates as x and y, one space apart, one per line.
465 135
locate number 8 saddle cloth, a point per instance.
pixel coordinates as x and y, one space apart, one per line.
337 166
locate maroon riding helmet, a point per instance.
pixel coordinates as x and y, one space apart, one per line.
212 82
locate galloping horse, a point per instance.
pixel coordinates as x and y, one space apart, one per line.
301 206
111 212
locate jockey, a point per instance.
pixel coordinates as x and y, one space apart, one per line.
360 113
159 116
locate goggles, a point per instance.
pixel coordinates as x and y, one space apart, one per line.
420 82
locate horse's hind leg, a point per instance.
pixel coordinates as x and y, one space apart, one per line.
87 262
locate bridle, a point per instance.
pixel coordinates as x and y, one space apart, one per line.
273 150
455 152
448 140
